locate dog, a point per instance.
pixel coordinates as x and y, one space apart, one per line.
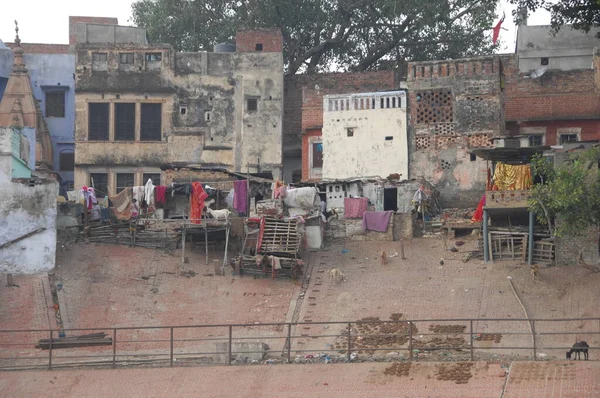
383 258
535 271
336 275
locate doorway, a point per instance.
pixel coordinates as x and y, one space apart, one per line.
390 199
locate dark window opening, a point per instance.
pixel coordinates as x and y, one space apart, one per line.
66 161
98 121
55 104
317 152
207 116
183 110
252 105
350 131
545 61
390 199
259 47
126 58
153 57
473 157
564 138
155 177
99 181
389 138
151 122
536 140
125 122
124 180
99 57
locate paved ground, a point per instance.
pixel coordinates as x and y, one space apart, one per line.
526 379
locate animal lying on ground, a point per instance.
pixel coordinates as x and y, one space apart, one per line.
535 271
578 348
336 275
383 258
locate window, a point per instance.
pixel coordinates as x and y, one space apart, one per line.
536 140
545 61
55 104
434 107
350 131
125 122
259 47
252 104
472 157
99 57
564 138
100 183
98 121
151 122
153 57
183 110
66 161
155 177
389 138
124 180
207 116
126 58
317 155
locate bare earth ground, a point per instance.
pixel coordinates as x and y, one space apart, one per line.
113 286
526 379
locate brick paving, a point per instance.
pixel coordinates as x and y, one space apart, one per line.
317 380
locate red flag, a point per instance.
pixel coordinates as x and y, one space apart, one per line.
496 29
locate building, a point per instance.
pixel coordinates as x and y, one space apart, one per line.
363 135
140 106
455 105
28 196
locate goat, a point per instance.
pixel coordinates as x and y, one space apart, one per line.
578 348
216 214
336 275
383 258
535 271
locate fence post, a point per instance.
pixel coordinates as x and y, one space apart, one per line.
229 348
534 340
410 341
50 351
349 341
471 333
114 361
171 349
289 339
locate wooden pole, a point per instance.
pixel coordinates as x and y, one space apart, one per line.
226 246
205 241
402 249
183 236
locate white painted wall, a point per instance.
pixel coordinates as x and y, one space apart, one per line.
367 153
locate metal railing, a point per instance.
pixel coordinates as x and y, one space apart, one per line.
466 339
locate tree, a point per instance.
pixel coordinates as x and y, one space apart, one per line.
582 14
568 192
329 34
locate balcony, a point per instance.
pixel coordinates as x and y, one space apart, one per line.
513 199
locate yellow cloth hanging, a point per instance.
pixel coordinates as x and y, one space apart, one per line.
510 177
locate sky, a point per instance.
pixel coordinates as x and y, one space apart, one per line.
43 21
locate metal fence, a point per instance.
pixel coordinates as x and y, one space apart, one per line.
368 339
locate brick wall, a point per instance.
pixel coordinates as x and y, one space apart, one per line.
74 20
589 129
557 95
305 152
216 179
271 40
42 48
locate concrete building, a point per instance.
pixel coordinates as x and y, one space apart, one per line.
27 197
364 135
455 105
140 106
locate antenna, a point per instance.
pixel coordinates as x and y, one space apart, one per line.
538 73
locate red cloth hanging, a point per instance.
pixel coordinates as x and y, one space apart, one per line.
160 195
197 202
478 215
496 30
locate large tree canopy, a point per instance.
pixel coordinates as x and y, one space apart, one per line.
582 14
329 34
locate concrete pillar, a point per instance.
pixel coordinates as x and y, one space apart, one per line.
486 243
530 240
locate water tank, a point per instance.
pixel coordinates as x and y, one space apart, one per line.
224 48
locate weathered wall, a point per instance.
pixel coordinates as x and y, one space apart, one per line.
17 152
376 145
569 248
206 118
75 20
454 106
24 209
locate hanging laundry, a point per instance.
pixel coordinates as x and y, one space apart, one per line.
197 202
149 192
276 185
478 215
512 177
138 194
355 207
240 196
121 203
376 220
160 195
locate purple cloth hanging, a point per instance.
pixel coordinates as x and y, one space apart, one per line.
240 196
376 220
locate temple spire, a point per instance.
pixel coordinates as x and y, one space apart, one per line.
19 63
